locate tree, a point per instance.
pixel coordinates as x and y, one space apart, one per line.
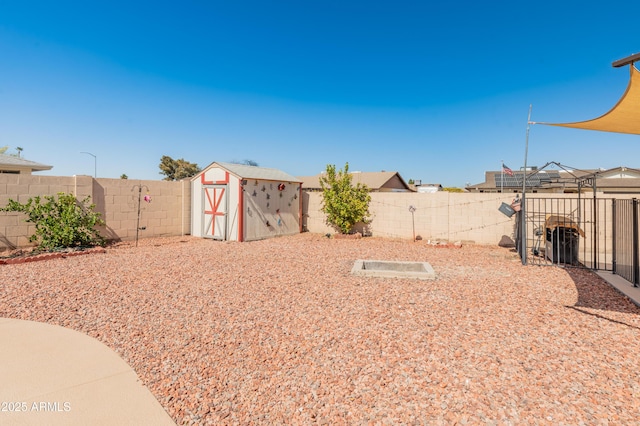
344 204
177 169
124 176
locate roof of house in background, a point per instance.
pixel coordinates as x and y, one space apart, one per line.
375 181
618 177
12 162
244 171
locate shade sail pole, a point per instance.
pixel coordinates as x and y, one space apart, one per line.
523 224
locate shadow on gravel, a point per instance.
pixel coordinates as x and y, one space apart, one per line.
596 293
583 311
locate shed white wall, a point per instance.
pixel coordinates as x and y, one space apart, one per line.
270 212
210 177
267 211
233 212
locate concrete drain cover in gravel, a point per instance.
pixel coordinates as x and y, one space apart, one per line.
393 269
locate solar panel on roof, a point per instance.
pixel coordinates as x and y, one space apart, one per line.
508 181
515 181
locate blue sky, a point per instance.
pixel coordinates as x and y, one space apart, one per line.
438 91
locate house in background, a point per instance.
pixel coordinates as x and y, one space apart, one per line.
375 181
619 180
16 165
428 188
237 202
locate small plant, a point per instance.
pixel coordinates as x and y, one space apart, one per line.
344 204
60 222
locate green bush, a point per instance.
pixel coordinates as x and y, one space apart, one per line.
344 204
60 222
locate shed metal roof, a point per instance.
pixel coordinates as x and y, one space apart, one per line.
244 171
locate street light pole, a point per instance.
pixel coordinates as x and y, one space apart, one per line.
95 163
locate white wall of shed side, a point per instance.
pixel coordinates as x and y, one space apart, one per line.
215 177
269 211
264 211
233 208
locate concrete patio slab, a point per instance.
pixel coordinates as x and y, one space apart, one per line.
56 376
622 285
393 269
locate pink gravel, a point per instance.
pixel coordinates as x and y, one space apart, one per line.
279 331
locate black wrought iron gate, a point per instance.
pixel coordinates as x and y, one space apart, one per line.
567 231
625 236
595 233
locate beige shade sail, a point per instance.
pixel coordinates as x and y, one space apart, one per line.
624 117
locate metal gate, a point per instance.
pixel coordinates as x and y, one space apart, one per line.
566 231
214 213
625 235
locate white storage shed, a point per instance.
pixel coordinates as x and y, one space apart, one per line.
237 202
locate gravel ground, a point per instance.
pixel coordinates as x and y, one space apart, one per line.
279 332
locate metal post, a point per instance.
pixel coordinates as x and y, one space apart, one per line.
412 209
636 261
95 163
523 232
613 235
138 222
594 227
139 200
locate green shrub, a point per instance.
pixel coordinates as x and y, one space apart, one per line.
344 204
60 222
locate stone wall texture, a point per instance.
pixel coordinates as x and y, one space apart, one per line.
439 217
121 203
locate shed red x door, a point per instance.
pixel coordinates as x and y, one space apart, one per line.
214 214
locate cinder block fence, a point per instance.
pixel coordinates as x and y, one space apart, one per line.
166 214
469 218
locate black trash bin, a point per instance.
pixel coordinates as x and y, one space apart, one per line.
562 239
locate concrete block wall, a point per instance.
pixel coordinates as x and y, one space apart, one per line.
443 216
167 214
120 200
313 220
14 231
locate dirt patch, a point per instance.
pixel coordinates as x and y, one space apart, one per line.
34 255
